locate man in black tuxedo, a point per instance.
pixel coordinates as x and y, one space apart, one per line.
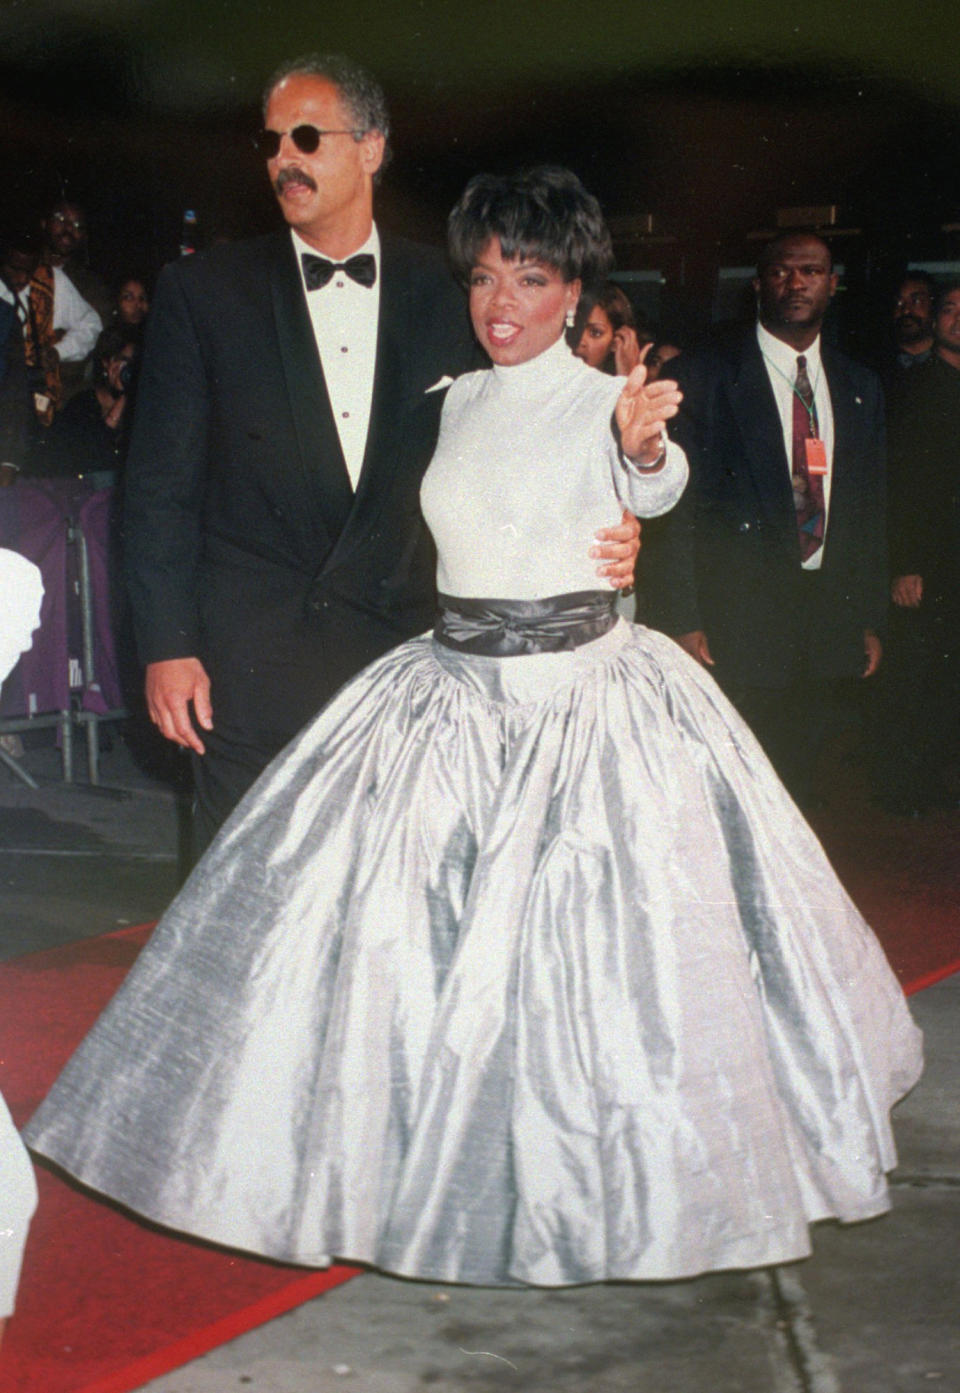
773 571
274 537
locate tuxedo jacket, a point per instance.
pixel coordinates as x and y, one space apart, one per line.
728 560
246 545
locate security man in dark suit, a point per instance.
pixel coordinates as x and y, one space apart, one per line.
274 534
773 572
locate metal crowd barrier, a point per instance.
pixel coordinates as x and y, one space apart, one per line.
69 678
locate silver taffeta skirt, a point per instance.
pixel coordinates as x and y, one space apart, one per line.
508 970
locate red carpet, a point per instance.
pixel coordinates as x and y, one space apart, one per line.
107 1303
904 877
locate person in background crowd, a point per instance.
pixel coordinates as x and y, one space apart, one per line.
920 735
605 332
66 248
59 326
132 303
661 353
19 262
772 573
91 434
16 407
913 319
66 245
911 327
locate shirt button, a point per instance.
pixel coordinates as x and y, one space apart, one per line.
344 348
345 415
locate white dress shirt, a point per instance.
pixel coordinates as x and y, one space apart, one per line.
344 316
71 313
780 361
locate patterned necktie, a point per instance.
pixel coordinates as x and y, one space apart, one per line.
807 487
317 270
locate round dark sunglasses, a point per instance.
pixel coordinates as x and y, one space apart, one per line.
306 138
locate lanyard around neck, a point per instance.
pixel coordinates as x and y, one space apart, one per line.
811 410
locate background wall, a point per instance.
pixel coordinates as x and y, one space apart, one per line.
709 116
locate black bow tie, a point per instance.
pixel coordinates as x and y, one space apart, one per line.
317 270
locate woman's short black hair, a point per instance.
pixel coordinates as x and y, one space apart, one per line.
543 214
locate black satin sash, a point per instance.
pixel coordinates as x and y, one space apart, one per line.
510 628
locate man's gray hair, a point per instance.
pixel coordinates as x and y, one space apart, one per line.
360 90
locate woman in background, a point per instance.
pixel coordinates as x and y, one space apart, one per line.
605 333
89 438
660 354
132 302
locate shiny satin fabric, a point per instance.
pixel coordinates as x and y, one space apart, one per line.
514 628
505 972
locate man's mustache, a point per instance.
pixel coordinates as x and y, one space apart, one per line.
293 175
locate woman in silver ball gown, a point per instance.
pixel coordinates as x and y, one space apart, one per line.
518 965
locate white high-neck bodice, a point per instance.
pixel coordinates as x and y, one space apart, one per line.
525 472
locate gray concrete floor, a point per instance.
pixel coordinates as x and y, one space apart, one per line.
875 1310
77 860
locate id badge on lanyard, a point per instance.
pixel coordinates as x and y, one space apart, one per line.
816 455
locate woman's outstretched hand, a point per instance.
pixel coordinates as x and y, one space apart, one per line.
643 410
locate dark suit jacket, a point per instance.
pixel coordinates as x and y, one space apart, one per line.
246 545
729 559
16 404
924 523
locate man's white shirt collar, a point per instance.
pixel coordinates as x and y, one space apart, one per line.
784 357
